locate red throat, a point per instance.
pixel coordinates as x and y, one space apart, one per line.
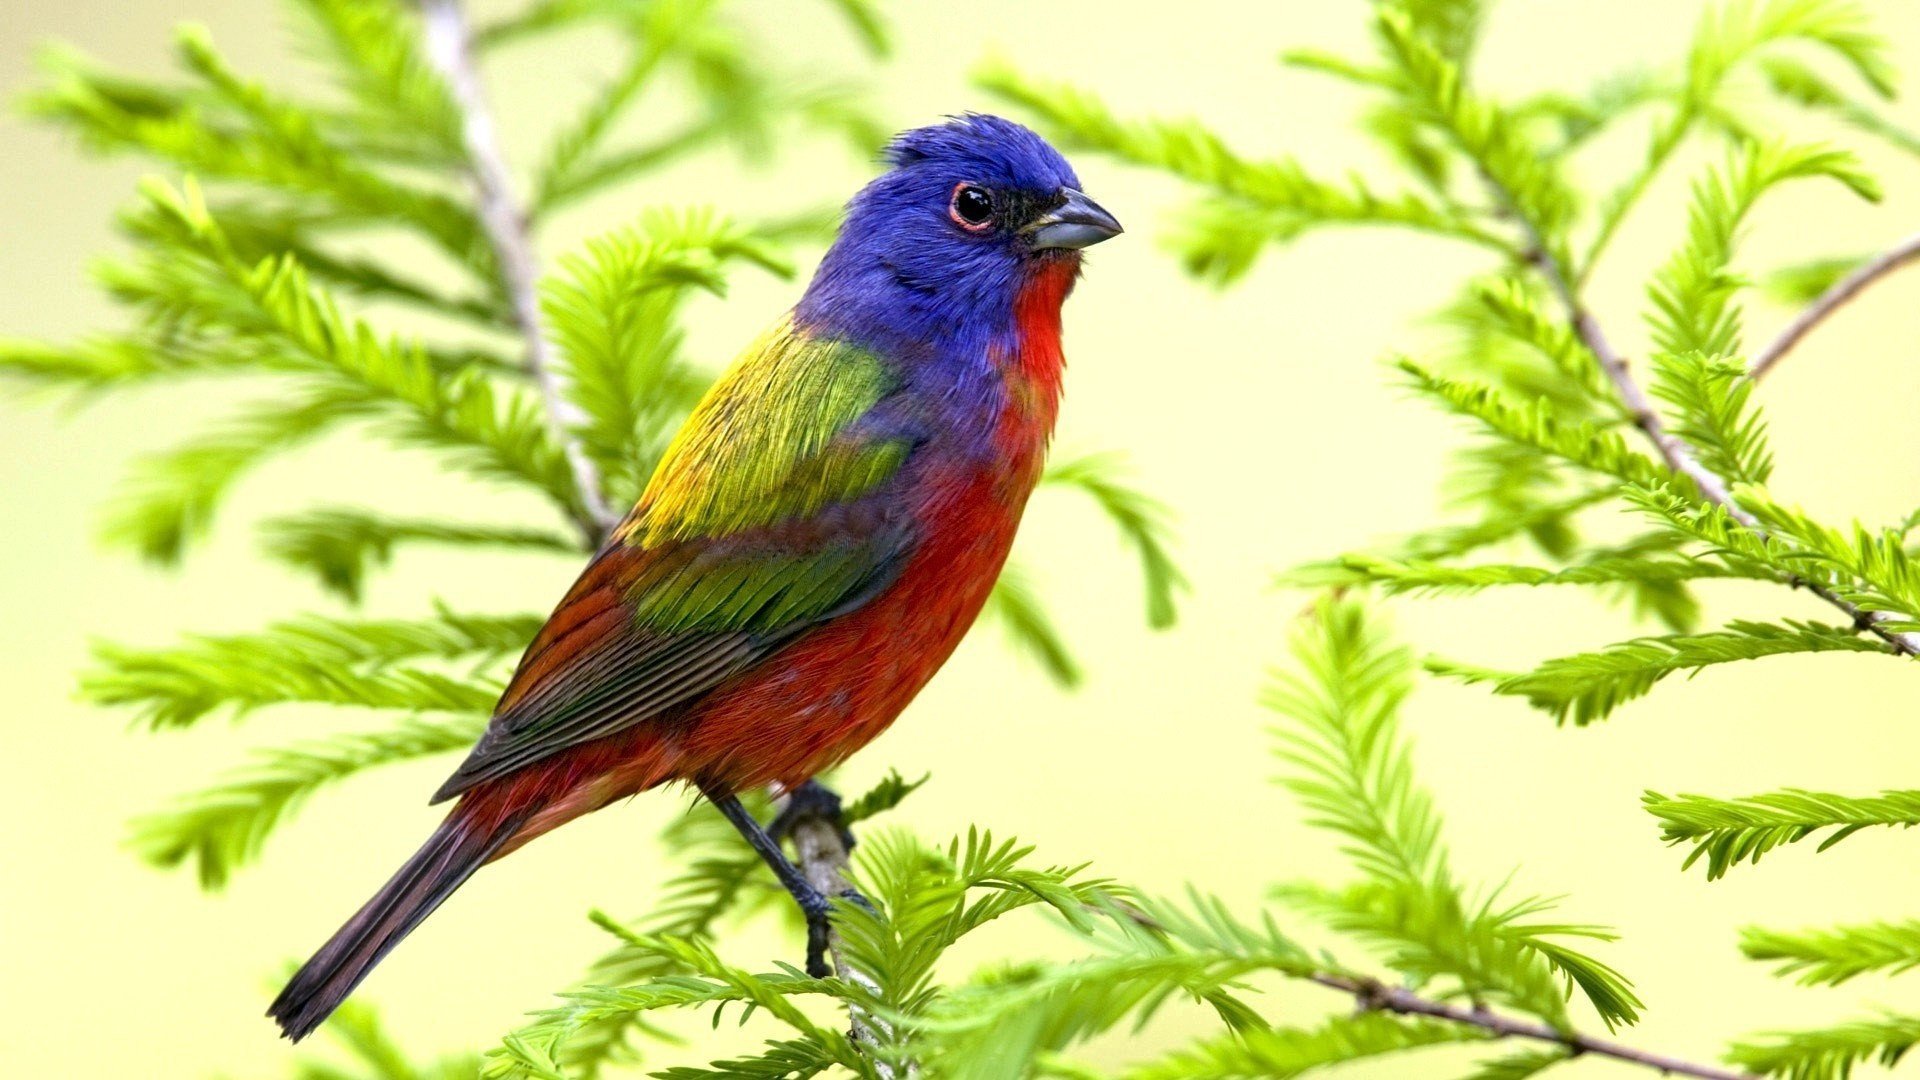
1036 318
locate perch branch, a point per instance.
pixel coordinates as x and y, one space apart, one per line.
822 856
450 48
1833 300
1403 1002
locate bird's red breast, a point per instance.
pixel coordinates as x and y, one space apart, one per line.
823 697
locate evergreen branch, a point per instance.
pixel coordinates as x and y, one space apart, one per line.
1294 200
1352 770
1397 576
998 1026
1453 541
375 57
1679 457
1696 328
1535 198
199 319
1537 424
1530 186
1692 292
93 364
1018 607
494 432
719 877
223 827
891 790
612 311
1281 1053
312 659
260 230
1830 1053
174 692
1355 773
659 31
232 129
820 848
340 546
450 47
1520 1066
1402 1002
995 1029
1142 522
1589 686
1831 957
1729 36
169 499
1505 308
614 166
1728 832
784 1059
1832 300
710 981
1802 85
1865 571
929 899
357 1027
1801 283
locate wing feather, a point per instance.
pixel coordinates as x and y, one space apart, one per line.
768 516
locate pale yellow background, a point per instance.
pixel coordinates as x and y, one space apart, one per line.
1260 415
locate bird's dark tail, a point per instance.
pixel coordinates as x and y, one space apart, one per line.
462 843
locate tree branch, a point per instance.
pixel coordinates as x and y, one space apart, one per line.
1374 995
1833 300
823 856
450 48
1674 450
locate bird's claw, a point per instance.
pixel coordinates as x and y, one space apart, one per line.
819 918
817 947
809 801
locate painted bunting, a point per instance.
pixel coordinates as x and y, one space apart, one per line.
811 548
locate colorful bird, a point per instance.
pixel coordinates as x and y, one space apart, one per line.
811 548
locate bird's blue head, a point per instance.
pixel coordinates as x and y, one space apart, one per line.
938 248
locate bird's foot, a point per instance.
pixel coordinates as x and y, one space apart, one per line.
819 931
811 800
819 916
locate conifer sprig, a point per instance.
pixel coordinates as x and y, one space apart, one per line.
1550 390
267 264
566 387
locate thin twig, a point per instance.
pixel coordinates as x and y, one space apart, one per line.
823 858
450 48
1674 450
1374 995
1833 300
1393 999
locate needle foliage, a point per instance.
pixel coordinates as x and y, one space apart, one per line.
316 260
259 260
1570 438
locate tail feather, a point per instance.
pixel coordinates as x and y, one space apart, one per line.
456 849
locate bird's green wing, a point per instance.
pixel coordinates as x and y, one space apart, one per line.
765 518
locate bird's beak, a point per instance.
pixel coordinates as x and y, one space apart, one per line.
1077 222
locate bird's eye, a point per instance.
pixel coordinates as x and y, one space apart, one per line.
972 208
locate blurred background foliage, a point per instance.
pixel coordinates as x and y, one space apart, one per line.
324 288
